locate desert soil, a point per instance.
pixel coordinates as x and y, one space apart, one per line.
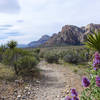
54 84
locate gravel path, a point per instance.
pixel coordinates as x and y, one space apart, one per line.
54 84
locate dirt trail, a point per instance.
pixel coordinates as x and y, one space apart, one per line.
56 82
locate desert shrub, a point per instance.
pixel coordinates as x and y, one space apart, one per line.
8 57
41 54
51 57
21 60
37 50
76 56
33 52
62 54
1 53
2 50
36 55
25 64
11 55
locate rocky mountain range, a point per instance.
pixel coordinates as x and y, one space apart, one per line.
69 35
72 35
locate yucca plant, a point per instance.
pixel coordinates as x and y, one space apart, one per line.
93 41
12 44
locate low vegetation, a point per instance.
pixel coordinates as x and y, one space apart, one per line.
74 55
6 73
21 61
51 57
25 65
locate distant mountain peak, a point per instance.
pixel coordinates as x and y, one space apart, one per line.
44 38
41 41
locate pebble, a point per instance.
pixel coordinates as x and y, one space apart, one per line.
26 88
29 93
19 96
24 97
57 96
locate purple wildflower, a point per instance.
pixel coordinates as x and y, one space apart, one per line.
97 55
98 81
75 98
85 82
74 93
68 98
96 61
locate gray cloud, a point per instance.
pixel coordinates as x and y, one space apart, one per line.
7 25
3 28
12 33
9 6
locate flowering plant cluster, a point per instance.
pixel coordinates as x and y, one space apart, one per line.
91 84
74 95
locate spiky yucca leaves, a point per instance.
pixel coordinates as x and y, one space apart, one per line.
93 41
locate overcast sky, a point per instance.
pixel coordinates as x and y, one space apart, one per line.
28 20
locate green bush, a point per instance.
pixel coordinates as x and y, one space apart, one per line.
21 60
41 54
12 55
25 64
51 57
1 53
76 56
8 57
2 50
37 50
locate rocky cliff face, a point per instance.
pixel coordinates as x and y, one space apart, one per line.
89 29
72 35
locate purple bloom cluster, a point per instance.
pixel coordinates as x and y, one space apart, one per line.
85 82
74 95
96 62
96 65
98 81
